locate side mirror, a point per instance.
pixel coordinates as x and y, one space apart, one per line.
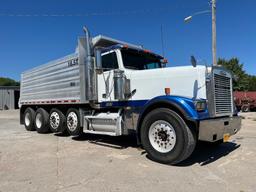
193 61
98 61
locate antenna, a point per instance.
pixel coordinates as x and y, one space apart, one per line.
162 39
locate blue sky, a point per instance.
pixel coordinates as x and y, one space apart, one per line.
28 41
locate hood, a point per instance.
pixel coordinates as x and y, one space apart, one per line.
186 81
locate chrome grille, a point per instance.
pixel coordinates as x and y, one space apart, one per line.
222 95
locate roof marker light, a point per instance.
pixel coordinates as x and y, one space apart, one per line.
164 61
146 51
167 90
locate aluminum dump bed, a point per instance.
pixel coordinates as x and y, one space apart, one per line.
57 81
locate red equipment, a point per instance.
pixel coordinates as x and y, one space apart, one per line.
245 101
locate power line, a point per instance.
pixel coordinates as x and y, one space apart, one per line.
131 12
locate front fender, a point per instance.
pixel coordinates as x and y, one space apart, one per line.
184 105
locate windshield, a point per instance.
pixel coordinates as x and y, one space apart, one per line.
139 60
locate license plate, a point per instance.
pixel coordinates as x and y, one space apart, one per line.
226 137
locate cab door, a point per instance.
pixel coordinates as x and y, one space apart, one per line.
105 79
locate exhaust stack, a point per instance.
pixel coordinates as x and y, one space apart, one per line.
90 73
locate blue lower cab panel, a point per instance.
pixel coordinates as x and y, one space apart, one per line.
132 103
183 103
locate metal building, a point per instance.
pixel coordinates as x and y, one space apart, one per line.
9 97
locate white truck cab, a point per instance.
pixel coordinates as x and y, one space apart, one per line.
115 88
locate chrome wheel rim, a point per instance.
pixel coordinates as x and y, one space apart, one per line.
27 119
162 136
54 120
39 119
72 121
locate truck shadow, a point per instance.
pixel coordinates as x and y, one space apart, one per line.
121 142
204 153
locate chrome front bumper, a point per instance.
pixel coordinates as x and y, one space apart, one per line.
212 130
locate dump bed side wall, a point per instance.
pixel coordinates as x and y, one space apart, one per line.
58 80
244 95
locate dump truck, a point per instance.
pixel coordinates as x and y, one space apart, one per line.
115 88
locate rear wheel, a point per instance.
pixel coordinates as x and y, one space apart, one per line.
166 137
42 121
57 121
28 119
73 122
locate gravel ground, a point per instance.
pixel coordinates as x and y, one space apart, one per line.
50 162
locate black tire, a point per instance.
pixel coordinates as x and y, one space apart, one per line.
245 108
28 119
185 139
42 121
73 122
57 121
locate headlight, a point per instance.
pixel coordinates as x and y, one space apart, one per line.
200 105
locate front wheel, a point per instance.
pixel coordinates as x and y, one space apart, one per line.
166 137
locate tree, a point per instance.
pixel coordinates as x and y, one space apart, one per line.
8 82
244 82
252 83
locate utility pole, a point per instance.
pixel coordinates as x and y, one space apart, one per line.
214 56
187 19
